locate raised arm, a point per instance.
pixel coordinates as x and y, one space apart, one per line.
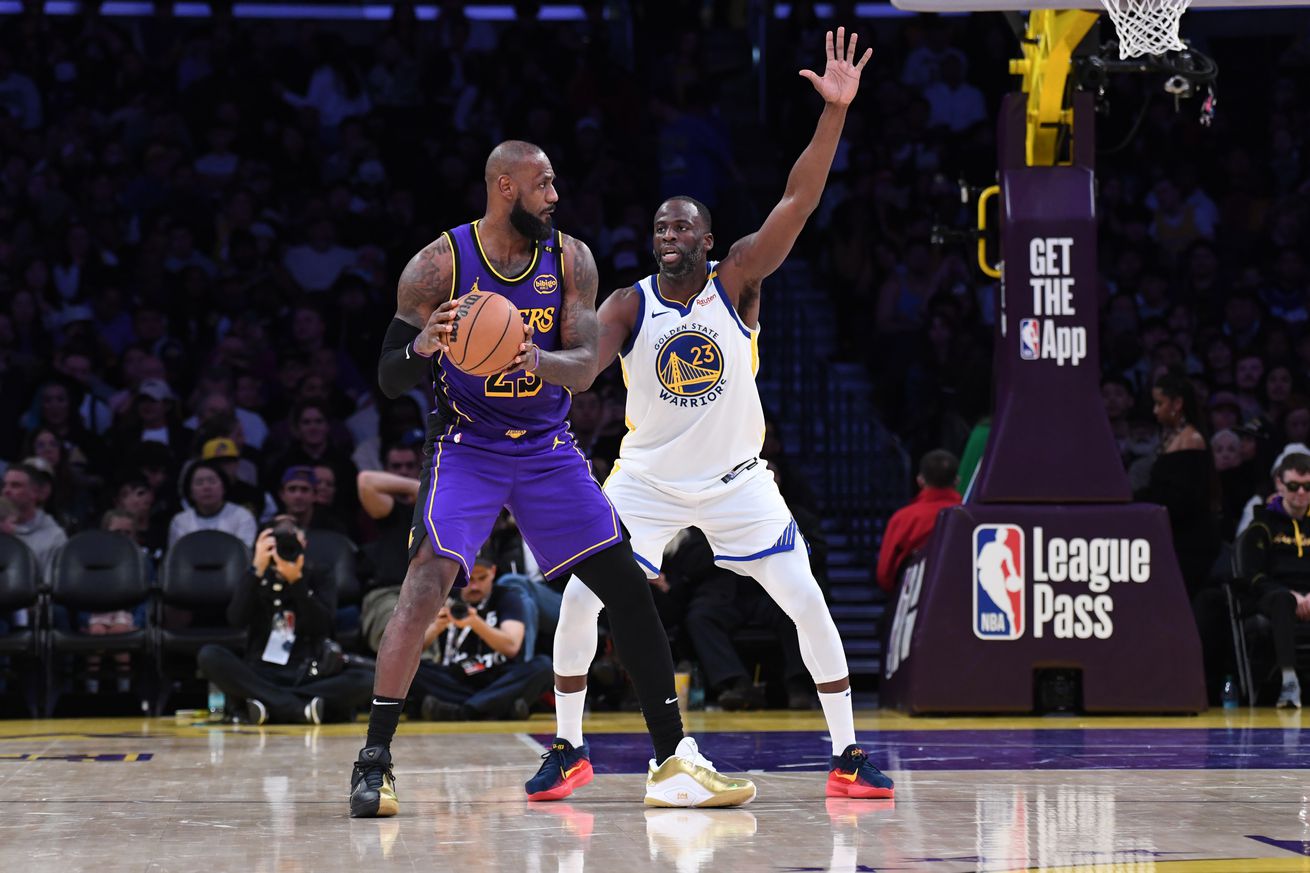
378 491
754 257
574 365
424 309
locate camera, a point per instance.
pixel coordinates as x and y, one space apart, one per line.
288 543
458 608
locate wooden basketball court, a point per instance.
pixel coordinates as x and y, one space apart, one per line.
1221 792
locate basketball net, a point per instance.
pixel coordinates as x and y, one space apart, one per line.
1146 27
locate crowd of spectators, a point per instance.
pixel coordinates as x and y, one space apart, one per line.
202 223
1203 283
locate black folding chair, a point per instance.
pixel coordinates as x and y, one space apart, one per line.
199 574
20 578
339 557
95 571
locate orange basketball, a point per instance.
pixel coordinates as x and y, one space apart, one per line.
486 333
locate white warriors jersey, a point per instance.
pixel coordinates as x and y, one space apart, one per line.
693 411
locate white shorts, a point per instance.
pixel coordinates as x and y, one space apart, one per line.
744 520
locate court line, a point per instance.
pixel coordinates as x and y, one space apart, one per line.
576 802
526 739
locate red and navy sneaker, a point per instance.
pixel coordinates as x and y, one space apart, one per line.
563 768
853 776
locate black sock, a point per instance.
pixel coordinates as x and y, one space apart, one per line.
642 644
382 720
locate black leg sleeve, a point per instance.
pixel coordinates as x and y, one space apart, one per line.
640 639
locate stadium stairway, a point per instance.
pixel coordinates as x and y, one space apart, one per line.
856 467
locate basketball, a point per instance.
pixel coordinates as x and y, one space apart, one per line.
485 335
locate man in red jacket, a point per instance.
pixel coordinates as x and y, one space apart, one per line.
911 525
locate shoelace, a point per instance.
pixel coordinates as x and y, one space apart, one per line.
699 760
555 754
373 773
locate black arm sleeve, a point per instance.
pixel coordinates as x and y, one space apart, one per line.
400 368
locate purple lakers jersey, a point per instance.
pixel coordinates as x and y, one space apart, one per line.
520 410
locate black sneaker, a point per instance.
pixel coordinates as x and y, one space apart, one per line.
256 711
743 695
439 710
372 785
314 711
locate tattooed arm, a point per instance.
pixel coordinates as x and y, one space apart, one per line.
424 310
574 365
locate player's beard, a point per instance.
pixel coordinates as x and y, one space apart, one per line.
528 224
688 262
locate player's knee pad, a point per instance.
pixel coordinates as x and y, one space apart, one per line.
575 635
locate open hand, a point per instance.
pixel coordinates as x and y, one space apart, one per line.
528 357
265 548
441 622
841 77
432 338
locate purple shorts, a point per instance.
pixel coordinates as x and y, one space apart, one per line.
560 510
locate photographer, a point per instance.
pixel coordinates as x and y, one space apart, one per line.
292 672
475 665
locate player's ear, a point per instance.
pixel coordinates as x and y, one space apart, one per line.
505 184
709 241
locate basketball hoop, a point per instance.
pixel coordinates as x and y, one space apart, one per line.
1146 27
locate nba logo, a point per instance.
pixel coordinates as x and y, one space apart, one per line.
1030 344
998 582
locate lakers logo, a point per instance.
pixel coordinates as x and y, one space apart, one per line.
689 364
545 283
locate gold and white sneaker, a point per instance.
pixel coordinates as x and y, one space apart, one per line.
687 779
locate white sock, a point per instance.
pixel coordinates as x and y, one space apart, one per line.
1289 675
841 720
568 715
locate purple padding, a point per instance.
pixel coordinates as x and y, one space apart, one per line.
1161 749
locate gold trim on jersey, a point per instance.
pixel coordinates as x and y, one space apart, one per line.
563 263
454 262
614 469
614 518
445 389
486 262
